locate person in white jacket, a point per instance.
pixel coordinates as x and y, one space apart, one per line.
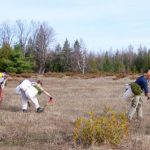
29 90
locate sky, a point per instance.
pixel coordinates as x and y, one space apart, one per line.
101 24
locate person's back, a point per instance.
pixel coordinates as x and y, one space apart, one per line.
25 85
142 82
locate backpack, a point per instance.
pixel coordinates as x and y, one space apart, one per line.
136 89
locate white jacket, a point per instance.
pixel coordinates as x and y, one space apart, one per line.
26 86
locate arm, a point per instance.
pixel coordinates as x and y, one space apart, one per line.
147 95
146 89
44 91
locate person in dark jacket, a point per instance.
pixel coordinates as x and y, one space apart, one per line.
133 94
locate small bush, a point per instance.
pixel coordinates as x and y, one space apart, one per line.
108 128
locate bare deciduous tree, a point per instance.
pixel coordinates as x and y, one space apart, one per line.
44 36
6 33
76 56
82 63
79 56
23 32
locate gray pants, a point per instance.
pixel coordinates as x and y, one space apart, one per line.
136 106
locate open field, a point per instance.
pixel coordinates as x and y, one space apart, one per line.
74 97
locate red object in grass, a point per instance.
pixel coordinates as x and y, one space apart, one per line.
50 101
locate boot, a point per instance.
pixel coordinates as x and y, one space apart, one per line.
24 110
39 110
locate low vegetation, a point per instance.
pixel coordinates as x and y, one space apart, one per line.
108 128
66 125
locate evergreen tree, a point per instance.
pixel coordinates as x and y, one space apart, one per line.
5 53
54 64
118 65
66 57
17 62
107 63
76 56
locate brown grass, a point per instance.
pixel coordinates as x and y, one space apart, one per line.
74 96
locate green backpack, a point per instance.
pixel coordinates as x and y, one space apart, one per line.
39 90
136 89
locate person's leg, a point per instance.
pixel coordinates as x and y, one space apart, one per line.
133 107
140 109
36 103
31 94
1 95
24 102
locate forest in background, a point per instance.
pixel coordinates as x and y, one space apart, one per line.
27 48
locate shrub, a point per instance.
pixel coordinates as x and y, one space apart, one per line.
109 127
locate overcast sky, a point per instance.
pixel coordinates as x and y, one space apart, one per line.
102 24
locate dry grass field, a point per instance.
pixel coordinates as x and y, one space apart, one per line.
74 97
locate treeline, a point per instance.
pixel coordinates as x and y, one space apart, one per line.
27 48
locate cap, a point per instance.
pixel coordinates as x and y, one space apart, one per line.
1 75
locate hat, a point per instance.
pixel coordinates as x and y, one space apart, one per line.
1 75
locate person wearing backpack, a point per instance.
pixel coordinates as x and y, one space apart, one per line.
133 94
29 91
